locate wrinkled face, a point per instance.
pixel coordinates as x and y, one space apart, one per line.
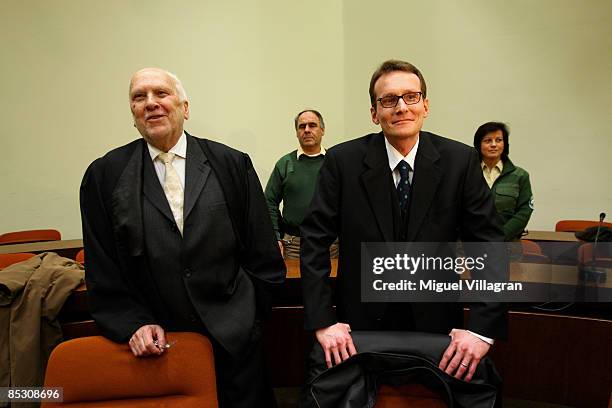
156 108
492 146
402 121
309 131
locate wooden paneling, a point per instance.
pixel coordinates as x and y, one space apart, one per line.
558 359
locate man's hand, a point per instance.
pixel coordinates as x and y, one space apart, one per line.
281 247
148 340
463 354
336 340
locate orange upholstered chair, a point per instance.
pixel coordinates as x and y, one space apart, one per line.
532 252
9 259
408 396
94 371
80 257
20 237
578 225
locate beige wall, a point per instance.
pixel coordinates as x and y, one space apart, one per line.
249 66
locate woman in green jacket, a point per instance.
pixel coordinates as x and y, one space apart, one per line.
509 184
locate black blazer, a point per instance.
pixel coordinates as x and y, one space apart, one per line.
140 270
355 201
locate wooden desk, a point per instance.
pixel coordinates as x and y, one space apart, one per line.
519 272
67 248
551 236
550 273
293 268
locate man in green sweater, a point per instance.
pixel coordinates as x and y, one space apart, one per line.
293 181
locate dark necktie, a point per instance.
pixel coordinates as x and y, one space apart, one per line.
403 187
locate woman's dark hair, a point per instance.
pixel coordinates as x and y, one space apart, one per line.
487 128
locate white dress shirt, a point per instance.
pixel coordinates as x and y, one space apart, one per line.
180 152
302 152
395 157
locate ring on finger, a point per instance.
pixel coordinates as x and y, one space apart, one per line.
465 365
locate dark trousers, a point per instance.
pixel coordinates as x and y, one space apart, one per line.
243 381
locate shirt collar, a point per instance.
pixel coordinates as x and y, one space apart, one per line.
179 149
301 152
499 166
395 157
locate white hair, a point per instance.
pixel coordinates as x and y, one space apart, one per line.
177 82
179 86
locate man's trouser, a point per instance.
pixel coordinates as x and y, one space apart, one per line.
291 244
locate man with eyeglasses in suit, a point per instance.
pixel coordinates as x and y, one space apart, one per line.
399 185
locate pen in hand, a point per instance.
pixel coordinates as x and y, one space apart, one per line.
164 347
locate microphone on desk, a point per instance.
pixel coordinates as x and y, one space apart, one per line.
601 218
593 273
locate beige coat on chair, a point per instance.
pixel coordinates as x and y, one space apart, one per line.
32 293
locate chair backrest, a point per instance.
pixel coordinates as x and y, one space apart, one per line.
577 225
408 396
531 247
80 257
532 252
97 371
20 237
9 259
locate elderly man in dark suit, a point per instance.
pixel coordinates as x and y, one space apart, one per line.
178 238
402 184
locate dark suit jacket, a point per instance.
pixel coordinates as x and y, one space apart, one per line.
140 270
355 200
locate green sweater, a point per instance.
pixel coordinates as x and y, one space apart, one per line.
513 199
293 182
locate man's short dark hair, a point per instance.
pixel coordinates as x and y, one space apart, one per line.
487 128
391 66
321 123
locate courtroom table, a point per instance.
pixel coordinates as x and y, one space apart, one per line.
558 357
557 236
67 248
551 273
74 245
560 247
